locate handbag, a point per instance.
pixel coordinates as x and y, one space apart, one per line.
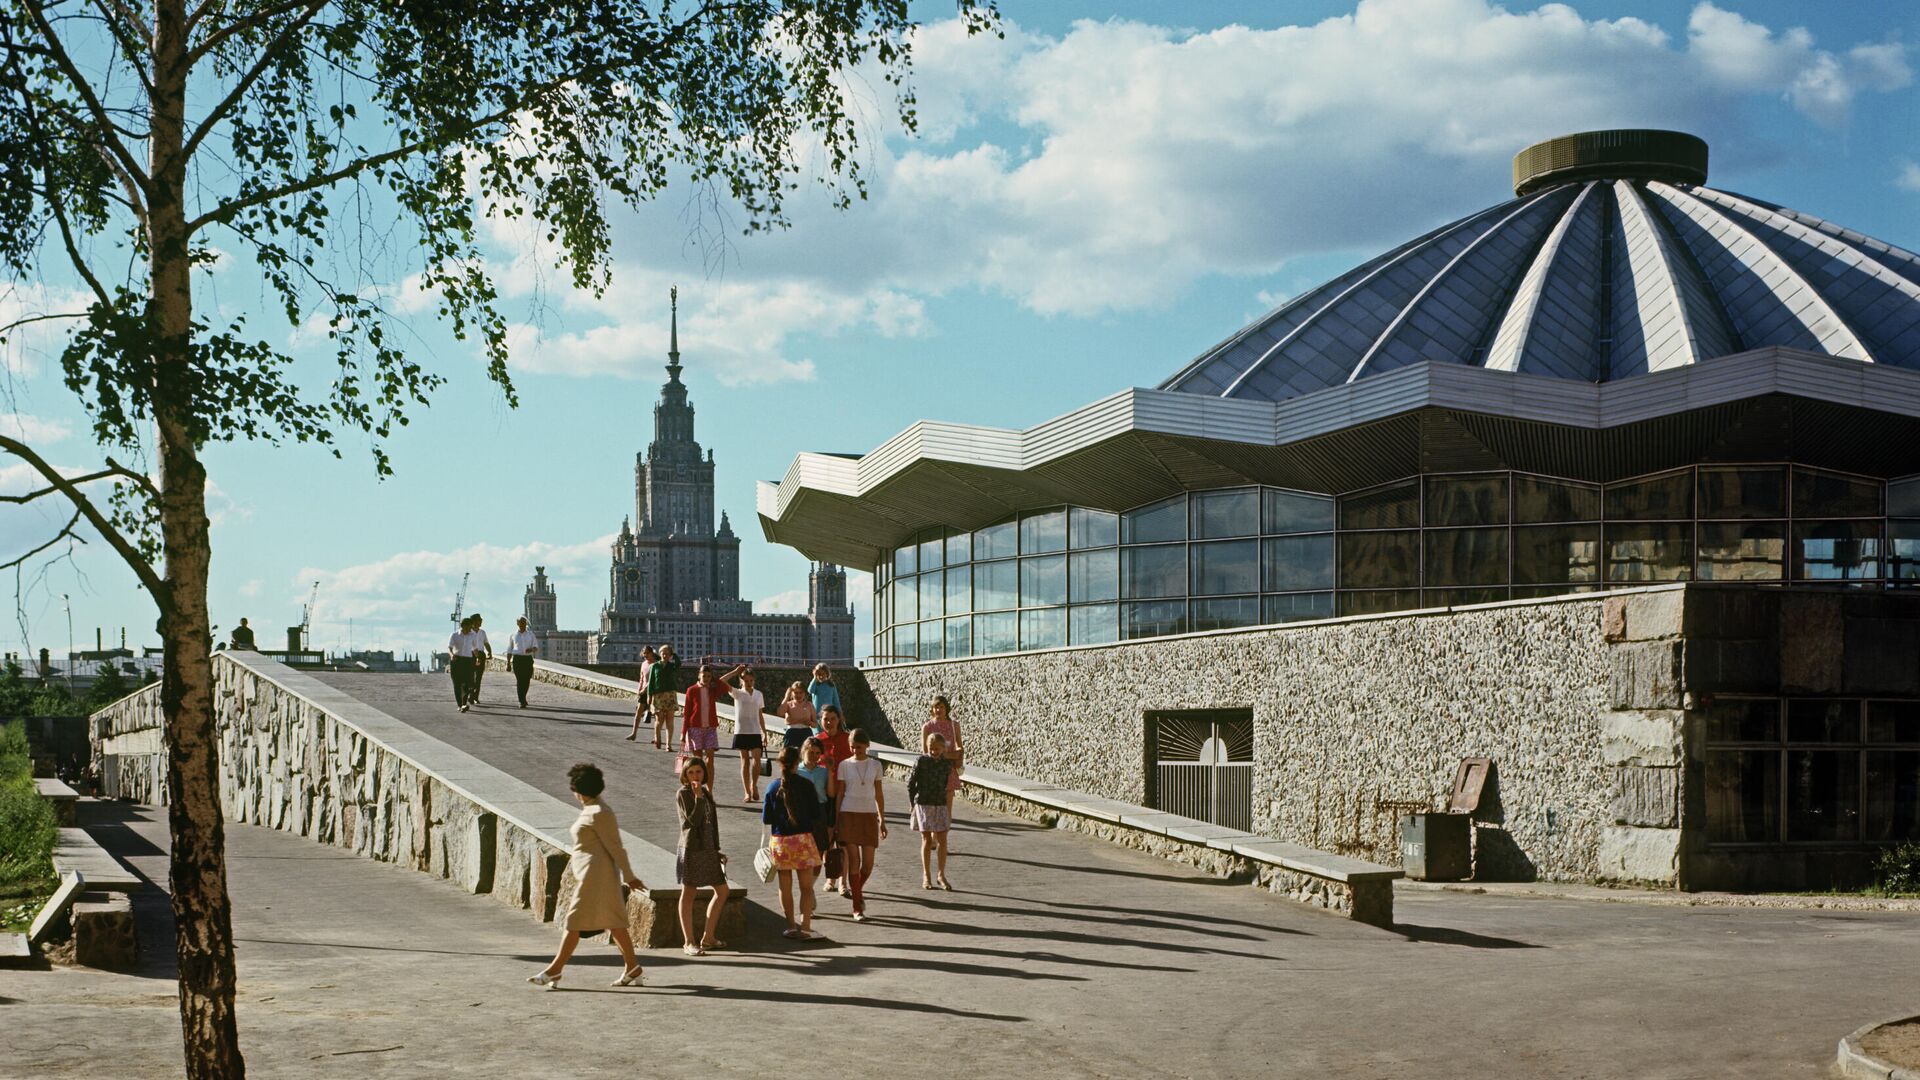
836 860
763 859
766 766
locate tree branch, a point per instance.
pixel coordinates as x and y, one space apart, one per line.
101 524
246 81
80 84
22 500
241 26
466 129
65 531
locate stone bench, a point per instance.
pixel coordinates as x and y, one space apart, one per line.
63 798
1358 889
74 851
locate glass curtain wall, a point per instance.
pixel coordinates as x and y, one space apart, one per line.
1249 556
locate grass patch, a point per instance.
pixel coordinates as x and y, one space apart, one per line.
27 824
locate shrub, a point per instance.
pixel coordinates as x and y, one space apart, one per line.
1898 869
27 825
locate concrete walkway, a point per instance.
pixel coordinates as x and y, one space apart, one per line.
1060 956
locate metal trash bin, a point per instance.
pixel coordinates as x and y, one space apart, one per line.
1437 847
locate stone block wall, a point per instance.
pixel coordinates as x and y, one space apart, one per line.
128 752
1354 720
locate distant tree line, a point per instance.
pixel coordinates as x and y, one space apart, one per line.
23 696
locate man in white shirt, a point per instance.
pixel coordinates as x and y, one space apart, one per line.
520 652
749 733
460 663
482 652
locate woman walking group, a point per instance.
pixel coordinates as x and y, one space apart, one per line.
824 814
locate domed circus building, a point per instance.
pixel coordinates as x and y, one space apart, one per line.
1616 484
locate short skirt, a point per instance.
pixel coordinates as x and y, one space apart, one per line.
857 829
794 852
931 818
703 738
698 869
749 742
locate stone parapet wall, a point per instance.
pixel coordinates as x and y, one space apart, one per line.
1354 720
129 751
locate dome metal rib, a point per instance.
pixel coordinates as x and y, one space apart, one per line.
1592 279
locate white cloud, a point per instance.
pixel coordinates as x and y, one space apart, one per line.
34 339
1909 177
34 430
403 601
791 602
1112 166
250 588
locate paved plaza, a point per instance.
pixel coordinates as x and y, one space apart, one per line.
1059 955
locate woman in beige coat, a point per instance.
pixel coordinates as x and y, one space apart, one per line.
599 865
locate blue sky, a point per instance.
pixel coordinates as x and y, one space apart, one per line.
1092 201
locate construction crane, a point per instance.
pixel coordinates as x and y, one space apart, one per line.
460 599
297 635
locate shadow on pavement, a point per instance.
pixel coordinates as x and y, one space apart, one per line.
729 993
1136 921
1161 914
1443 935
1195 878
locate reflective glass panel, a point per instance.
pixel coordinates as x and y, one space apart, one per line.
1823 795
1743 796
1153 571
1044 531
1467 500
1043 628
1154 524
1743 551
1738 491
996 585
1553 554
1903 497
1373 602
1219 514
997 541
1825 494
932 553
883 646
1539 500
932 641
1649 552
1154 618
933 595
1462 597
906 599
1296 606
1667 496
959 548
1466 557
906 641
1093 575
1043 581
1821 721
1744 720
1379 560
996 633
1903 550
1893 795
1226 566
904 558
1093 528
1225 613
959 635
1093 624
1293 512
1893 721
1297 562
1393 507
959 590
1836 550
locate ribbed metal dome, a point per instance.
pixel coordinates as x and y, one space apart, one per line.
1595 279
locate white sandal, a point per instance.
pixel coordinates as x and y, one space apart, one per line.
631 978
545 981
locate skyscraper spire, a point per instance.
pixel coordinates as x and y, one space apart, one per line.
673 348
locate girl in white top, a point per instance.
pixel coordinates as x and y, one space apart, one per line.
861 817
749 734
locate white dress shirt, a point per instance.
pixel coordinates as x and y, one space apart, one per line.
523 643
460 644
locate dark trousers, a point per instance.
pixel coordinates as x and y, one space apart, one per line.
522 675
479 669
463 681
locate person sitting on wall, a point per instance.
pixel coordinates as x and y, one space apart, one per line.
243 636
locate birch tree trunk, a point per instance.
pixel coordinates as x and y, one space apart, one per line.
202 912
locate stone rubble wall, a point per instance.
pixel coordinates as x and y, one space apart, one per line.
1356 720
129 754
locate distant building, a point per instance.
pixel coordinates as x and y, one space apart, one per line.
676 579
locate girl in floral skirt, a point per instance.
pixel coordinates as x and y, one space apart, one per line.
791 810
932 816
